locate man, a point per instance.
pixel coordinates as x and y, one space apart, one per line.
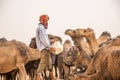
43 44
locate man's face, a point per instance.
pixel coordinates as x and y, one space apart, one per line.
44 21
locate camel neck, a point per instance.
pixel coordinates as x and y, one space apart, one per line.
93 44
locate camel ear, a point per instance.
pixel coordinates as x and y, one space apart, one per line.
66 31
78 54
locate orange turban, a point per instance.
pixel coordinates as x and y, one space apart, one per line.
43 19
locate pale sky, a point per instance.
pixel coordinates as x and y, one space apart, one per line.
19 18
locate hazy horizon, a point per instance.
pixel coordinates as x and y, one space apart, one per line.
19 18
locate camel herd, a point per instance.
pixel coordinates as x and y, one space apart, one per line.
88 58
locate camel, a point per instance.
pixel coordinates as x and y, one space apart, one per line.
90 37
73 58
84 57
67 59
79 41
105 64
102 38
14 55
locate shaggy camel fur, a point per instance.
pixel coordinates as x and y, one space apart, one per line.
14 55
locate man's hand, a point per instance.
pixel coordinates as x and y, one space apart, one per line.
52 49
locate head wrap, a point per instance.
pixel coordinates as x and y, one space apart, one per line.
43 20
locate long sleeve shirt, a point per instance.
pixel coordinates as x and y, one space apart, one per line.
42 40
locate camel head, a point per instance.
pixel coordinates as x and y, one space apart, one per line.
71 55
67 45
33 43
70 32
84 32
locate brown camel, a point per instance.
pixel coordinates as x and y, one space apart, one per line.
90 37
105 64
103 38
14 55
79 41
74 57
83 59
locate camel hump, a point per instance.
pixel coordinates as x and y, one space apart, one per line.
105 33
23 49
3 40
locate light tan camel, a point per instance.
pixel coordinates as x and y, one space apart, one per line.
14 55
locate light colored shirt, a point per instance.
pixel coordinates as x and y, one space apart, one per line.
42 40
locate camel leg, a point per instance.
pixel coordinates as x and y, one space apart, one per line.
35 73
66 70
22 72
